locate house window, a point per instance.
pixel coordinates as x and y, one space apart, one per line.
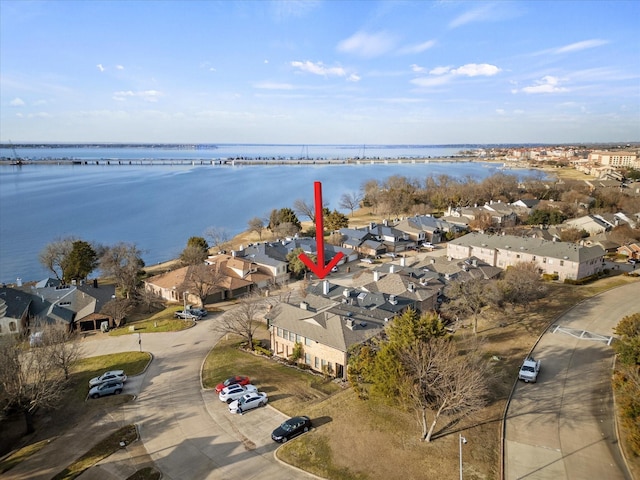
12 326
561 263
298 339
307 358
279 331
544 260
317 363
323 363
308 341
0 328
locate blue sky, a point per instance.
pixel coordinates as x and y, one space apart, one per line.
308 72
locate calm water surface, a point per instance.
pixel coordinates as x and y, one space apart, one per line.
159 207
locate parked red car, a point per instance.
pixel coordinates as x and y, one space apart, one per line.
235 380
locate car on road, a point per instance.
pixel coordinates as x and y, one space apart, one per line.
427 245
390 254
187 315
367 260
248 401
334 269
111 375
201 312
529 370
234 392
235 380
633 261
291 428
108 388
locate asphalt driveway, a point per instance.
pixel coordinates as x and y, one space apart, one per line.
563 425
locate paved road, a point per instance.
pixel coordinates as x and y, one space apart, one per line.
186 432
562 426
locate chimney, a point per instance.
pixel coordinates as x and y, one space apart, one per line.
433 260
376 275
345 293
95 283
392 268
325 287
403 261
304 305
351 325
411 287
474 262
393 300
19 281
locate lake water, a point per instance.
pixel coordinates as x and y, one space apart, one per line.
159 207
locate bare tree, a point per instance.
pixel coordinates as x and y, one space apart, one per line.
244 319
442 381
124 263
219 237
29 378
350 201
118 309
203 280
466 297
521 284
256 224
482 222
55 254
62 346
150 299
304 209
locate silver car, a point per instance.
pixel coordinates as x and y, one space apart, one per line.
108 388
248 401
233 392
115 375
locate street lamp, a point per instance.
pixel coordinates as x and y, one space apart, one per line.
460 443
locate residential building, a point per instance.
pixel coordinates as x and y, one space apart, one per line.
615 158
328 322
566 260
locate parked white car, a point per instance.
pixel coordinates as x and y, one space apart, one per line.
112 375
529 370
234 392
248 401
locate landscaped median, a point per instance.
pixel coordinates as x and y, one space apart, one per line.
163 321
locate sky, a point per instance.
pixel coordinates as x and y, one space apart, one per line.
320 72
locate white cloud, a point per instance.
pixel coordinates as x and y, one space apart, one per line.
100 67
17 102
547 84
432 81
146 95
319 69
417 68
500 111
418 48
480 14
440 70
119 67
475 70
446 74
353 78
367 44
273 86
575 47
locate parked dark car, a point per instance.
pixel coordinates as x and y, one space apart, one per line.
235 380
291 428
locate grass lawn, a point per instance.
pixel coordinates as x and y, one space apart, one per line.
163 321
99 451
290 390
74 406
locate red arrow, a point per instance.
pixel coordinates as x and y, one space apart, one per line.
319 269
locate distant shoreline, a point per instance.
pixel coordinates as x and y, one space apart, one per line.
253 161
